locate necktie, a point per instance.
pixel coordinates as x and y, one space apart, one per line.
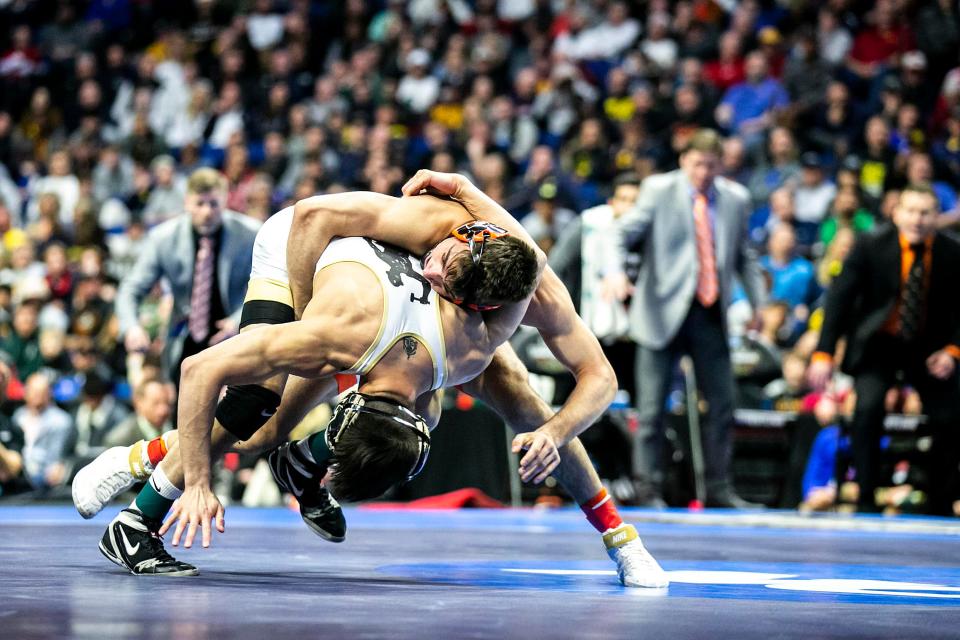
912 298
707 278
199 322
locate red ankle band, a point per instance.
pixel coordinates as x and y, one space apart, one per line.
156 450
601 512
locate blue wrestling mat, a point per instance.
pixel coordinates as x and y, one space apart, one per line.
491 574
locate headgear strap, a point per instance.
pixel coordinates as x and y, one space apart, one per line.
476 234
346 413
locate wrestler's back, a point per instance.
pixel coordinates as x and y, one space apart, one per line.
349 295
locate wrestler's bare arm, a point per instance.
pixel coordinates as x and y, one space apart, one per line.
552 313
475 201
312 347
505 387
414 224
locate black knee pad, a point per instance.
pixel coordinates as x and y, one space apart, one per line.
246 408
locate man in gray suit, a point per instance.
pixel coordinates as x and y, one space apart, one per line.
690 227
205 255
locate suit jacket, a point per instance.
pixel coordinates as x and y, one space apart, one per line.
168 252
864 294
662 225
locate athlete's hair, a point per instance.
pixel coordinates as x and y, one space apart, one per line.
507 272
372 456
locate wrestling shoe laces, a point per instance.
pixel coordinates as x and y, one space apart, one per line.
299 477
99 482
635 566
131 541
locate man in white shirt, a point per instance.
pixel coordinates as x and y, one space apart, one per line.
814 193
418 90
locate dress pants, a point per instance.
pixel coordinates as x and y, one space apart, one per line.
703 336
888 361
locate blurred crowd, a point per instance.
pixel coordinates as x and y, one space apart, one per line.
106 107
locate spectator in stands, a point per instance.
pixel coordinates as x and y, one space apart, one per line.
831 263
938 34
418 90
832 37
152 410
820 475
514 134
919 170
188 125
658 47
877 157
832 128
12 479
112 175
61 182
23 343
605 41
46 432
806 76
812 197
845 213
557 105
679 302
907 134
781 211
541 169
779 170
47 229
733 161
95 419
877 48
899 320
749 108
578 258
918 88
58 277
728 69
587 157
547 220
792 277
787 392
692 75
166 194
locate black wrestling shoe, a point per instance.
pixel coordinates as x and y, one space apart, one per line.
299 477
132 542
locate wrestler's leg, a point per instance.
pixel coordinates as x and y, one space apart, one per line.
504 387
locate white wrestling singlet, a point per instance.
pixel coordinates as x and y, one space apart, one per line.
410 307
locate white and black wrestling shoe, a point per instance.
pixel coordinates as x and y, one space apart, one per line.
102 480
132 542
635 566
299 477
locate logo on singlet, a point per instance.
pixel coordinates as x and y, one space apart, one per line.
400 264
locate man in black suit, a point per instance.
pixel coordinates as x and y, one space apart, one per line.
896 303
